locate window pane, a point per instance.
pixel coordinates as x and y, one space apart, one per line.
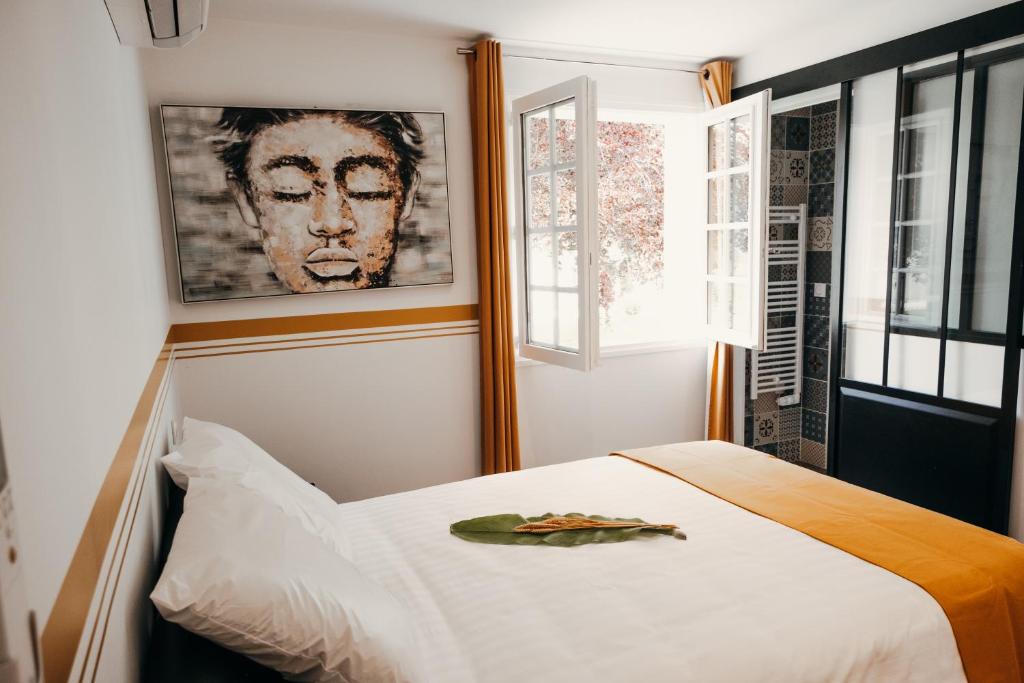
926 141
568 321
541 314
729 252
540 201
956 272
915 247
914 362
568 272
867 256
974 372
720 304
739 252
717 146
565 181
739 198
540 260
538 140
740 149
716 199
565 132
996 200
741 307
641 225
925 156
717 258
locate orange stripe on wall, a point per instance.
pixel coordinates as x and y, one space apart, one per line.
326 322
64 628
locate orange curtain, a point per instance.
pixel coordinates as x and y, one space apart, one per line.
716 81
500 448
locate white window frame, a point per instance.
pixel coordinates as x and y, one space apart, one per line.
756 106
581 91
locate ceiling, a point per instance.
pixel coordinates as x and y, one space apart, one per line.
684 29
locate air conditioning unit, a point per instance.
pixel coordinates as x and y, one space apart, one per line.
158 23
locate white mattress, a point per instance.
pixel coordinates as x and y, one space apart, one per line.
744 599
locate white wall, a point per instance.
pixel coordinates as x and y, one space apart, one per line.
248 63
82 292
826 33
627 402
358 421
379 418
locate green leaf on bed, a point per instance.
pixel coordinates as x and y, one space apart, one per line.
498 529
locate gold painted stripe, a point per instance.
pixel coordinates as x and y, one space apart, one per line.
318 346
139 487
180 349
65 626
326 322
66 623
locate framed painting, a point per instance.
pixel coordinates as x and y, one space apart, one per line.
270 202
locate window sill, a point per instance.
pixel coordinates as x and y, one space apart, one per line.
624 350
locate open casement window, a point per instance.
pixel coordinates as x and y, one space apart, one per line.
736 192
556 198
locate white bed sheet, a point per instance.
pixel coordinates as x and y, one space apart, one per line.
743 599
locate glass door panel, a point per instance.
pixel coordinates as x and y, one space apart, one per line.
869 188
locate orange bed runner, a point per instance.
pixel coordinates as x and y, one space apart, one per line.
976 576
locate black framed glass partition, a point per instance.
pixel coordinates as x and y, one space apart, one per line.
923 405
934 321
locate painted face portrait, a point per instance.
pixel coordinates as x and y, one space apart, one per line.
327 196
275 201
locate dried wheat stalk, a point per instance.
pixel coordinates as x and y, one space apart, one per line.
572 523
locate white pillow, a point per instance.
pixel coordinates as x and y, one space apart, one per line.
251 579
212 451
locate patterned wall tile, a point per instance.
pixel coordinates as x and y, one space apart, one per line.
775 195
783 272
823 131
802 111
813 454
789 450
769 448
790 232
817 305
798 132
824 107
766 428
766 403
815 363
823 165
748 405
819 236
813 426
787 167
778 132
819 266
789 423
816 331
821 200
815 395
748 431
794 195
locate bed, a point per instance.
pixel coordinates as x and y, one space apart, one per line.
744 598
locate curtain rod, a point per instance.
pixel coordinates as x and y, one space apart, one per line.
470 51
